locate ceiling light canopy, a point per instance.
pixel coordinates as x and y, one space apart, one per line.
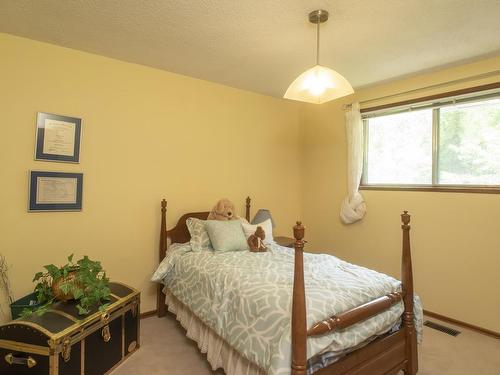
318 84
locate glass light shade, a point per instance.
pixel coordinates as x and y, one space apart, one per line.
318 85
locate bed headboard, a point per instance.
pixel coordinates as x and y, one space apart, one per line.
180 233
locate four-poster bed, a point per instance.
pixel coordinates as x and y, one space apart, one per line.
386 354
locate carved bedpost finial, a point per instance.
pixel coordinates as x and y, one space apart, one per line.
298 231
298 234
163 204
247 209
405 218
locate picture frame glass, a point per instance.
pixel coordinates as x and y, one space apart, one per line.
55 191
58 138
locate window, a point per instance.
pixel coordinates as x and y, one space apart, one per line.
469 144
450 143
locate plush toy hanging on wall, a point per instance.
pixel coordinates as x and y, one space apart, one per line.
223 210
256 241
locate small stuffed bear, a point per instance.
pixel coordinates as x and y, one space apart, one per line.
256 241
223 210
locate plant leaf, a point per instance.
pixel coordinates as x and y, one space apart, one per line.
37 276
53 271
26 313
77 292
82 310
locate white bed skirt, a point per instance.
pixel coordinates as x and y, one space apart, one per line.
219 353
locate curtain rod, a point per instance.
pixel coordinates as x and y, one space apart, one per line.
437 85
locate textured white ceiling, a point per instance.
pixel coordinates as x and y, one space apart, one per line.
263 45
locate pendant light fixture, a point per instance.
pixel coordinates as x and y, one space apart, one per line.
318 84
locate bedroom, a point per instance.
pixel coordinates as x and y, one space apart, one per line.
185 103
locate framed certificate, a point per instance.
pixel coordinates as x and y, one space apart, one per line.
58 138
55 191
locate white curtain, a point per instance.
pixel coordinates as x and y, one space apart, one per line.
353 207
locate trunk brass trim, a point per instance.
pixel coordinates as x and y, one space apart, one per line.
66 350
30 324
11 360
66 315
25 348
31 362
52 368
139 322
132 346
134 309
82 357
123 335
134 290
106 334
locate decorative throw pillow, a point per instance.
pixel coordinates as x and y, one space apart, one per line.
199 235
226 235
267 225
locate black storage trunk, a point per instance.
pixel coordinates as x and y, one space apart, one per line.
60 342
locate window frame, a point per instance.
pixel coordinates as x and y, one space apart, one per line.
435 102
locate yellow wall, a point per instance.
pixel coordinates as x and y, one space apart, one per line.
456 247
147 134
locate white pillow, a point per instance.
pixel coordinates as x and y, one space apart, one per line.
250 229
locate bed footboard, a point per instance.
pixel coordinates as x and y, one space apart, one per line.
386 355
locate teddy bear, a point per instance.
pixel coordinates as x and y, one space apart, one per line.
223 210
256 241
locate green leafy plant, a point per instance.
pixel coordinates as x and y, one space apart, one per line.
84 281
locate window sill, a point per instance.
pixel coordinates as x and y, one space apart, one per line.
441 189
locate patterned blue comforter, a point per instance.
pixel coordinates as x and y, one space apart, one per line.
246 299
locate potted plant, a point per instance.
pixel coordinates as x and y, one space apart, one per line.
84 281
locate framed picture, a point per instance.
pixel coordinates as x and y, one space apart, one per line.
55 191
58 138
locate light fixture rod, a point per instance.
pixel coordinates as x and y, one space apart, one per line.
318 17
317 43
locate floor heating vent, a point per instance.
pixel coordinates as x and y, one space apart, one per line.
439 327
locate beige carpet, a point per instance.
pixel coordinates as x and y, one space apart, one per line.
166 350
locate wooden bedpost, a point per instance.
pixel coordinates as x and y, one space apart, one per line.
408 316
160 302
247 210
299 322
